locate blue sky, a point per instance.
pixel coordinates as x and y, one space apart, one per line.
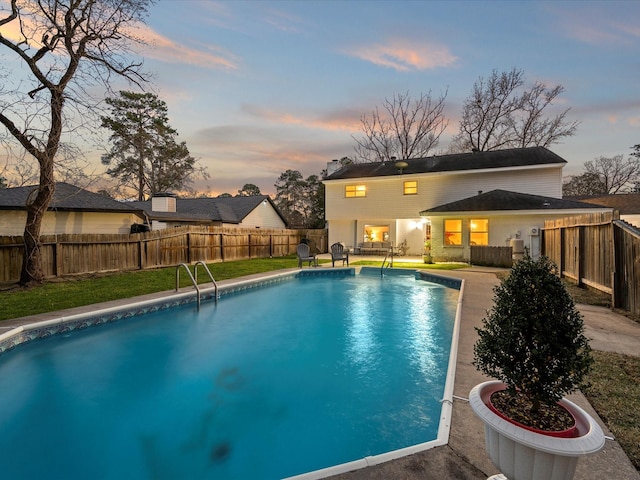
256 88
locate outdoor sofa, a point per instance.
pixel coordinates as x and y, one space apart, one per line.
374 248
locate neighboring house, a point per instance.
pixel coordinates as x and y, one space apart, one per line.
165 210
628 204
383 201
72 210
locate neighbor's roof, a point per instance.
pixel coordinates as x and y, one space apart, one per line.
514 157
66 197
223 209
625 203
503 200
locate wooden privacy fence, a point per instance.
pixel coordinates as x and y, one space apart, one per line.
600 251
491 256
77 254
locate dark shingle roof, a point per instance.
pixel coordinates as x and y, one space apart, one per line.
66 197
223 209
625 203
514 157
503 200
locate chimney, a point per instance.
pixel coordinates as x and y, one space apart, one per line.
332 166
479 192
163 202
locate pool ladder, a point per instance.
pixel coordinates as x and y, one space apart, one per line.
390 264
194 278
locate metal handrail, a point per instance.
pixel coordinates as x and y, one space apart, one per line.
390 252
206 269
194 280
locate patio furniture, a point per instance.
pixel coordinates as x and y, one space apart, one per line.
375 248
338 253
304 255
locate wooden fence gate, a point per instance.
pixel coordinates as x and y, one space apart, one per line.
600 251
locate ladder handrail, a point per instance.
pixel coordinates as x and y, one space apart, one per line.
390 252
206 269
194 278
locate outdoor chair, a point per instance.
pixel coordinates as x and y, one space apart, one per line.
338 253
305 255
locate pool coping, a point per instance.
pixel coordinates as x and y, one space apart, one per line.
32 331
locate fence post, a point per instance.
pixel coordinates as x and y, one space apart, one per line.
188 248
57 255
562 250
142 250
580 255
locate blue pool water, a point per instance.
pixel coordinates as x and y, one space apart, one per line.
268 383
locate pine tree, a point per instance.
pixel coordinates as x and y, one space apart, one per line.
145 155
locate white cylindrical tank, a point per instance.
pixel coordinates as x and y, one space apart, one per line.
517 249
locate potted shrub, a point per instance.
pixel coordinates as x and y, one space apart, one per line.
532 341
426 255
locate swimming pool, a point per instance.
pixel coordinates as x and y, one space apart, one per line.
272 382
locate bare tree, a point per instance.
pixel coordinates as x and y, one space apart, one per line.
403 128
499 114
616 174
65 46
585 184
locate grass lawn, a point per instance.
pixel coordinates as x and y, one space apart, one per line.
615 394
430 266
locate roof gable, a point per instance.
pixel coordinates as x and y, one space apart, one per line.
509 158
222 209
66 197
503 200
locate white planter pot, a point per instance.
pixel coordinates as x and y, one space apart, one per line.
521 454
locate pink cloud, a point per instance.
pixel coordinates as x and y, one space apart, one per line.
592 26
164 49
405 56
333 121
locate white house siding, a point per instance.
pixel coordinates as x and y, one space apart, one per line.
503 226
344 231
56 223
263 216
12 222
385 199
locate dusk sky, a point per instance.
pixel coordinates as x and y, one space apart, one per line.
259 87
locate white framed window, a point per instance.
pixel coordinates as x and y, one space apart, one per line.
352 191
410 187
453 232
479 231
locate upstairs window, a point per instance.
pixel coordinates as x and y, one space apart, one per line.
351 191
453 232
410 187
479 231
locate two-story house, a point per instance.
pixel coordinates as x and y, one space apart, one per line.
451 201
